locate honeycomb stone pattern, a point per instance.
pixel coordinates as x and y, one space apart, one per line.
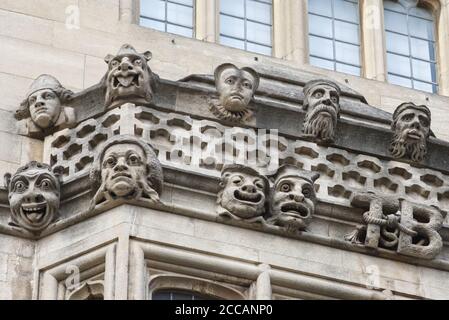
190 144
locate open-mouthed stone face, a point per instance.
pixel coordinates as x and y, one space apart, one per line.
128 78
293 202
45 108
236 88
243 194
123 166
34 198
322 114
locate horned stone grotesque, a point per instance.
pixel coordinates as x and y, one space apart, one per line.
127 168
43 106
129 79
236 88
243 194
322 103
408 228
411 127
293 198
33 193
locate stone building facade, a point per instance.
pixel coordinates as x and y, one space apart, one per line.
140 164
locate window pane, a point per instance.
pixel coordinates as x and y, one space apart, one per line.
321 47
258 11
423 49
397 43
346 10
153 24
348 69
233 7
233 27
421 28
347 32
399 65
394 6
153 9
347 53
320 26
405 82
180 14
186 32
422 70
239 44
323 7
396 22
326 64
259 49
421 12
259 33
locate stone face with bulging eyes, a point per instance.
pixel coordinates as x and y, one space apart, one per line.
33 193
411 129
293 198
322 103
243 193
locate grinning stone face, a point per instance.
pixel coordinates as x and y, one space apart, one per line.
45 108
34 198
243 194
122 167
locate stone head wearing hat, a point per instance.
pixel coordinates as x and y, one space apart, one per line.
322 104
293 198
411 129
129 79
44 105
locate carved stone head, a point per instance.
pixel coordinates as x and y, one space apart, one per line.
243 193
43 103
411 127
236 88
293 198
322 103
33 193
129 78
126 167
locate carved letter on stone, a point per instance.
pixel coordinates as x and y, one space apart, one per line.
33 193
129 78
43 106
243 193
411 128
322 103
293 198
236 88
408 228
126 168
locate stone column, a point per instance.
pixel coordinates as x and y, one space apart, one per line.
443 47
290 30
206 13
129 11
373 44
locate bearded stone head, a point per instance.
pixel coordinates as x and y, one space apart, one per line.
411 127
236 88
243 193
129 78
293 198
322 103
43 104
127 168
33 193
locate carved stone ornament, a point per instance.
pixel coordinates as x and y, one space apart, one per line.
293 198
127 168
322 103
44 108
243 194
236 88
408 228
129 78
33 193
411 128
